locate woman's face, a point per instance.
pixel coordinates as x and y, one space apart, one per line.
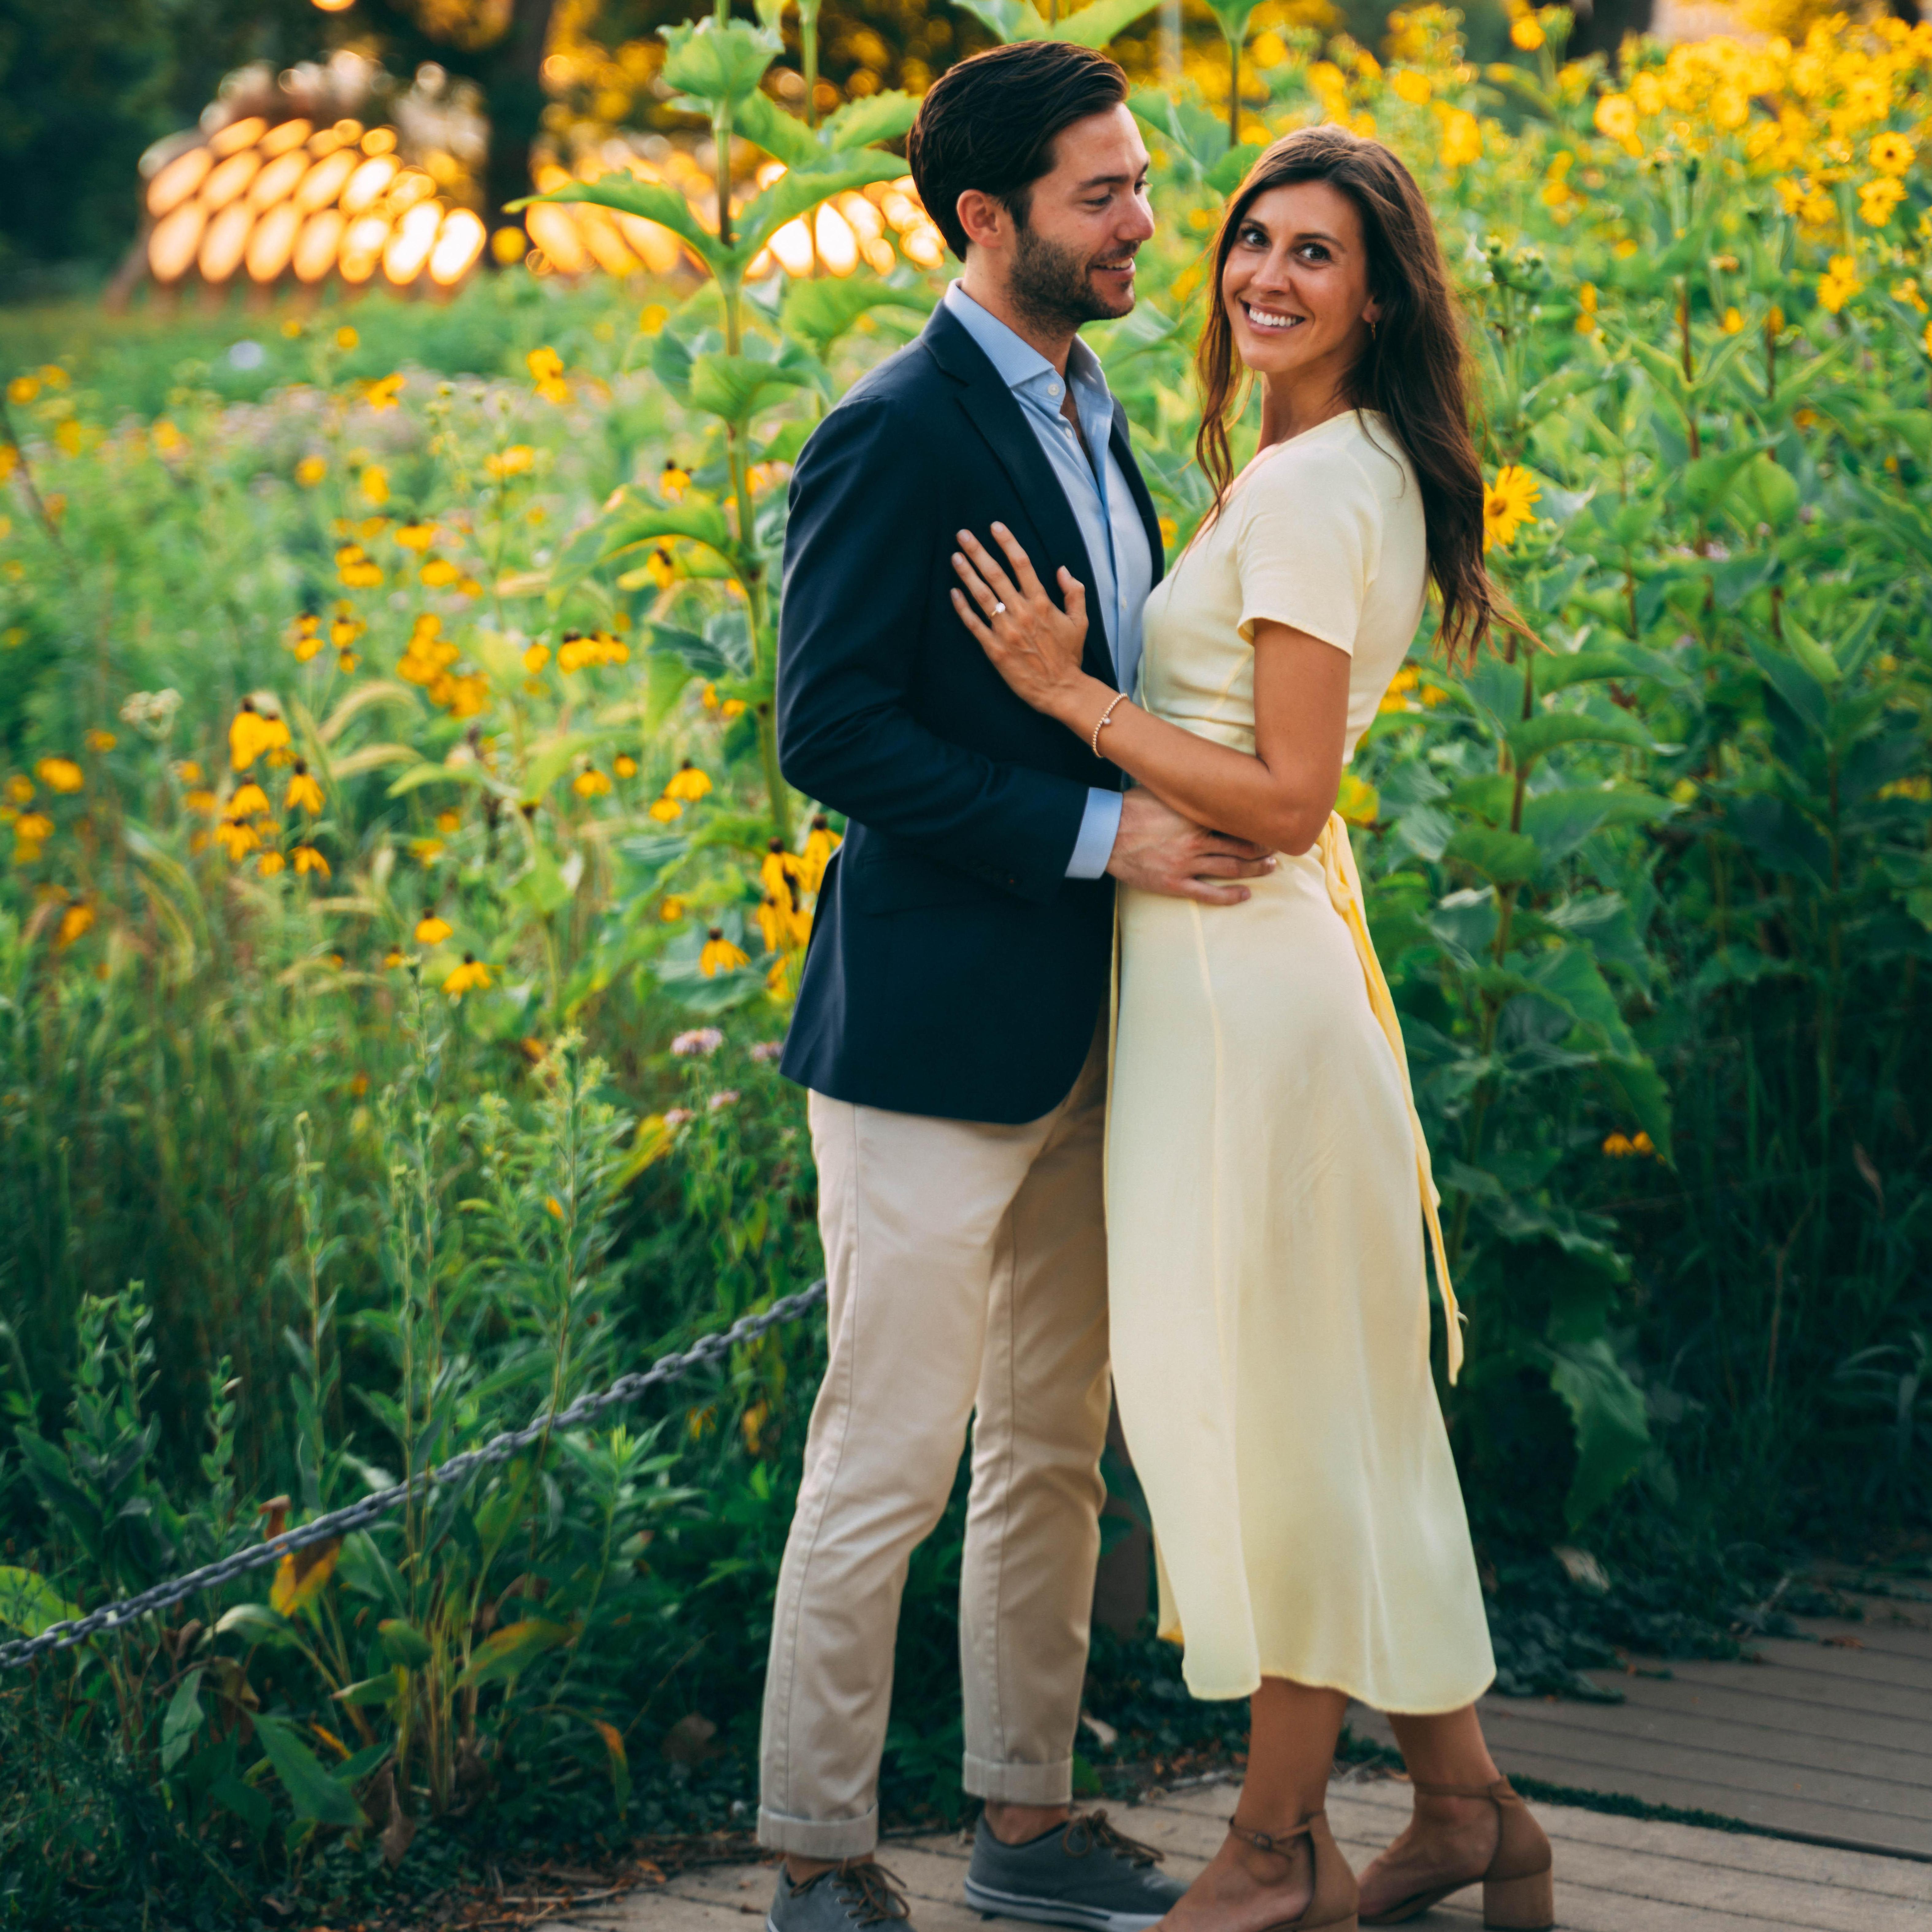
1296 283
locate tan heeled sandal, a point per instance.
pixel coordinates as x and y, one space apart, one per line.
1519 1883
1331 1906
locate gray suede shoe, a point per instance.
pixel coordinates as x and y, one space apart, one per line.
847 1898
1083 1872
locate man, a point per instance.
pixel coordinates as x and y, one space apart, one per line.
951 1024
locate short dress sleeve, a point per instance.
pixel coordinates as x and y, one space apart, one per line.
1308 542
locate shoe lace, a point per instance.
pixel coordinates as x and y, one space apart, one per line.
871 1894
1093 1833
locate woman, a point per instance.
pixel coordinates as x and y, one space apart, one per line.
1268 1183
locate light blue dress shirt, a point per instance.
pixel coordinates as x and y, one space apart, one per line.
1103 507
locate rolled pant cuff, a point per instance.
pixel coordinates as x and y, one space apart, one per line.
816 1838
1019 1783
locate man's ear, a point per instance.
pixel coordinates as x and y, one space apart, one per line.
985 218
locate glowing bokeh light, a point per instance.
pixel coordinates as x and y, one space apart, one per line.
838 246
408 248
367 182
229 177
272 243
456 248
171 247
324 181
177 181
275 181
362 248
318 244
222 245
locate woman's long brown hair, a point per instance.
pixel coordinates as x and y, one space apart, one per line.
1413 370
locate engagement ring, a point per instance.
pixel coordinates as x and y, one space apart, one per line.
999 609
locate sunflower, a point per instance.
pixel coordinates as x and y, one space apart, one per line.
1506 504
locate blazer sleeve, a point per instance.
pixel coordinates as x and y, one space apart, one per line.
856 593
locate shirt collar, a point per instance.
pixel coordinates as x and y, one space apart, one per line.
1016 362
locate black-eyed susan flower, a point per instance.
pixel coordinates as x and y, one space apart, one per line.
74 922
673 482
99 742
303 790
1890 153
772 924
305 638
624 765
200 800
513 461
307 859
430 930
666 809
536 657
60 775
31 831
346 338
591 783
472 976
375 482
417 537
249 801
448 821
779 868
688 783
1508 503
437 572
1642 1144
820 842
546 368
671 910
1619 1147
720 956
310 470
237 840
395 957
269 864
660 569
382 394
19 789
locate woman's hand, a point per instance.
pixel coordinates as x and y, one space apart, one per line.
1035 644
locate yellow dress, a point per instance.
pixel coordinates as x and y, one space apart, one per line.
1264 1196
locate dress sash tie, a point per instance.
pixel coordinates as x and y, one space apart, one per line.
1344 894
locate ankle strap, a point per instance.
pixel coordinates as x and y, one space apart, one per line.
1501 1792
1274 1841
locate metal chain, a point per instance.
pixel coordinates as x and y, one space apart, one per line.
337 1523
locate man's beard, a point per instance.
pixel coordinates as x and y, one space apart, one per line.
1050 285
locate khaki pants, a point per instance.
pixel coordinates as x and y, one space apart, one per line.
967 1266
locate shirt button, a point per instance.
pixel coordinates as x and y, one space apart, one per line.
1053 389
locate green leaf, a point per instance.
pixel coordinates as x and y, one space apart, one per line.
386 1689
504 1653
417 776
403 1644
1182 125
628 520
313 1793
29 1603
735 387
620 1765
651 201
1231 169
1531 738
667 677
182 1721
715 63
869 120
1560 821
1234 16
1707 479
763 122
1009 20
1569 977
1560 670
1094 26
258 1624
1768 491
1504 858
800 190
820 310
1607 1411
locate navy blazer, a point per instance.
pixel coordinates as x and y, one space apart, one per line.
954 970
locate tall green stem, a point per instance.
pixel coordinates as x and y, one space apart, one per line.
808 41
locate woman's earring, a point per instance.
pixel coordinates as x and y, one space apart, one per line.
1372 328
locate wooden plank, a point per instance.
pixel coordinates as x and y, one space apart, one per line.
1863 1667
1677 1727
1729 1701
1765 1680
1876 1635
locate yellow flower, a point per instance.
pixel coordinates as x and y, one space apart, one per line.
431 931
167 438
303 791
472 976
237 840
536 657
673 482
546 368
395 957
20 788
61 774
820 842
74 922
1926 339
1506 504
1838 285
772 924
200 800
666 809
591 783
346 338
1410 86
250 801
1641 1143
510 462
1733 322
438 571
1619 1147
308 859
1462 138
1878 198
269 864
382 395
624 765
375 484
732 707
415 536
1616 117
688 783
1357 800
660 568
1526 32
720 956
449 821
1890 153
653 318
778 870
672 911
23 389
33 828
1908 292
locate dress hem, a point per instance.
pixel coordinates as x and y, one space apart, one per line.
1431 1710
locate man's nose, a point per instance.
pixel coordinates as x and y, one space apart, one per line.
1139 223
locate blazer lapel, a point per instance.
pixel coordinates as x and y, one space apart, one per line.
1124 455
988 405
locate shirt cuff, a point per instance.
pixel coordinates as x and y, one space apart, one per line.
1100 826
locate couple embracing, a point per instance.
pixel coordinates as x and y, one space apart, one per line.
1105 1078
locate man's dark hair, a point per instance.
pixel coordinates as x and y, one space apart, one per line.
990 123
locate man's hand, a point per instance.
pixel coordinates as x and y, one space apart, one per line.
1159 851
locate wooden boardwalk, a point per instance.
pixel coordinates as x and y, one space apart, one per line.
1826 1743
